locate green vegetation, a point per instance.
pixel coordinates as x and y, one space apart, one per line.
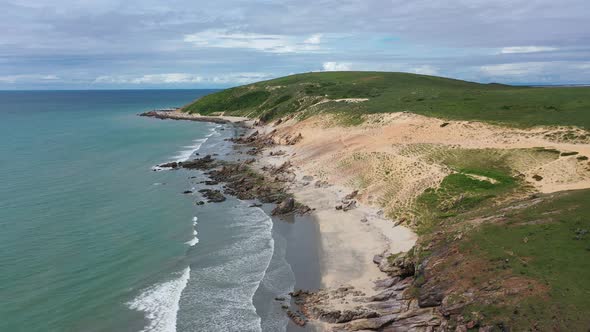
461 192
571 153
523 258
395 92
549 243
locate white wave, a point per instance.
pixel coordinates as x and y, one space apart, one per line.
184 155
195 239
223 292
192 242
160 303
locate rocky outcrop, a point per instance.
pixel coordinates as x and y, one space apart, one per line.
212 195
286 206
401 265
206 162
393 309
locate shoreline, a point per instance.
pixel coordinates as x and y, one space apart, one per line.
348 241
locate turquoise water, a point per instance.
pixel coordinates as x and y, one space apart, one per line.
92 239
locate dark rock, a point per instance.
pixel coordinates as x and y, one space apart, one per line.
187 192
430 297
212 195
537 177
296 318
377 259
343 316
349 206
173 164
385 295
321 184
444 124
351 195
210 182
206 162
415 318
386 283
390 307
286 206
371 323
280 298
400 266
255 205
200 203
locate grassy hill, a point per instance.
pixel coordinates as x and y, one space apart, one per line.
395 92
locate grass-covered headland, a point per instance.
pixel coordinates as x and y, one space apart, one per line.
492 251
396 92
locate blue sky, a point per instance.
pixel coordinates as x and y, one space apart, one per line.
112 44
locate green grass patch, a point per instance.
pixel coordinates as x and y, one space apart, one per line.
549 242
571 153
461 192
395 92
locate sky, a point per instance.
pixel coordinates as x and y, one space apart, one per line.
138 44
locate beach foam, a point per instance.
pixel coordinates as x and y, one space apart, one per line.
188 151
223 288
160 303
195 239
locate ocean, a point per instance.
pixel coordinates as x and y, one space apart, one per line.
92 238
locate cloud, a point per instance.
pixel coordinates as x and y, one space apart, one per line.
538 72
182 78
526 49
125 40
513 69
425 70
221 38
314 39
336 66
171 78
11 79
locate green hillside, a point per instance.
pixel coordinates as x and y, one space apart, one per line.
395 92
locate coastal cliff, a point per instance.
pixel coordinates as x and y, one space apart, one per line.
442 205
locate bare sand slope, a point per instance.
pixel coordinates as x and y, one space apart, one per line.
389 160
393 140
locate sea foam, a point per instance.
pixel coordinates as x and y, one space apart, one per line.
160 303
195 239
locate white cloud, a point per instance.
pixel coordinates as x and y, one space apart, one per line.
513 69
170 78
336 66
184 78
314 39
240 78
11 79
425 70
222 38
526 49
